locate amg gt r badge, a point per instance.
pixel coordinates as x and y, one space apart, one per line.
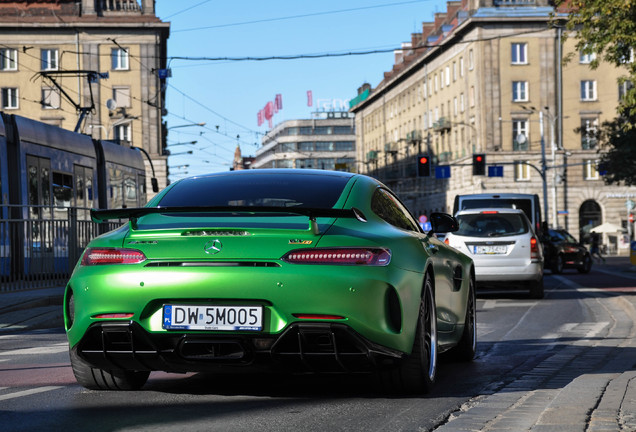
300 242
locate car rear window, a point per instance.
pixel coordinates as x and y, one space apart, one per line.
518 203
257 189
491 224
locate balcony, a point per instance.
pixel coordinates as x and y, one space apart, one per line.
372 156
108 6
414 136
391 147
442 125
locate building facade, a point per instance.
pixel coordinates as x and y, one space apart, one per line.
487 77
96 67
326 141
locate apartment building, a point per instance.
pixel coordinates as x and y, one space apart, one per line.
487 77
326 141
94 66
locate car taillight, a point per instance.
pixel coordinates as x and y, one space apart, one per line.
100 256
446 241
340 256
534 248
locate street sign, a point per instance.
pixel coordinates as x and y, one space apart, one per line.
495 171
629 204
442 171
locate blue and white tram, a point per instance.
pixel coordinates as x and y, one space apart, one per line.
51 178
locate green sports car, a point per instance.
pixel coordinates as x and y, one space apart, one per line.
290 270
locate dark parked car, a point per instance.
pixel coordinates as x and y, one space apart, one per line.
562 251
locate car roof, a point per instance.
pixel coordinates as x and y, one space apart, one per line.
279 171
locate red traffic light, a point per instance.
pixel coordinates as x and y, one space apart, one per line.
479 158
423 160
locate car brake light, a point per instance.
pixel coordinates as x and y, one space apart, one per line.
113 316
100 256
446 241
489 212
340 256
534 248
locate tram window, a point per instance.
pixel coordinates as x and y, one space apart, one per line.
83 191
130 189
116 188
39 186
62 189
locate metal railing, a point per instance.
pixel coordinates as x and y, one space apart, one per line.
42 252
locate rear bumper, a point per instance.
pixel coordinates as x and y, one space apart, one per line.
525 273
320 347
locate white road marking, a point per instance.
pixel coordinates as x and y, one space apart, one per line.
53 349
28 392
491 304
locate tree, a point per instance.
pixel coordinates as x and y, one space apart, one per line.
607 29
618 150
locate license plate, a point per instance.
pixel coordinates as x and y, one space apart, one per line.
490 250
225 318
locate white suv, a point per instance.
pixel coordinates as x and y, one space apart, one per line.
504 247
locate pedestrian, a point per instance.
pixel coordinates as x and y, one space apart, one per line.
594 249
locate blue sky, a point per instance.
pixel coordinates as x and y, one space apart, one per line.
227 94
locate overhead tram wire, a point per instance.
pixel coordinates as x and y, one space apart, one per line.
267 20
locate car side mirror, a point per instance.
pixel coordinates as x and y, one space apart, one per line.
443 223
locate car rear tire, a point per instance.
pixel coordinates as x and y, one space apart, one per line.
586 266
100 379
467 346
536 289
416 372
557 267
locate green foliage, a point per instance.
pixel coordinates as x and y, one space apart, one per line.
618 150
607 28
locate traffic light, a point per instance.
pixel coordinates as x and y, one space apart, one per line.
479 164
423 165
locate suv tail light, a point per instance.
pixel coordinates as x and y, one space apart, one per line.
534 249
340 256
100 256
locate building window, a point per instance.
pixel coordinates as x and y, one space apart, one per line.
590 171
586 58
471 96
10 98
454 71
588 133
122 96
461 66
519 53
471 60
519 91
455 106
522 171
119 59
8 59
520 137
123 133
623 88
48 59
447 76
50 98
588 90
461 102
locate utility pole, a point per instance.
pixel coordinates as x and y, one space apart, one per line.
543 169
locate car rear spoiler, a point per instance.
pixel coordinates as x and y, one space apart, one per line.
101 215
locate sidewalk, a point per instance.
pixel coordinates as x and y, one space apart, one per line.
31 309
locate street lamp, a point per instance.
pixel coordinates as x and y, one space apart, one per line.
178 154
187 125
182 143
